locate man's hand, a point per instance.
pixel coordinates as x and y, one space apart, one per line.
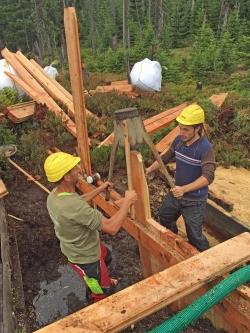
131 197
178 191
148 171
106 185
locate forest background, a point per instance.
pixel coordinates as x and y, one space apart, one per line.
194 40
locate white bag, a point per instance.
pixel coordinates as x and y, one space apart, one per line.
146 75
51 71
5 81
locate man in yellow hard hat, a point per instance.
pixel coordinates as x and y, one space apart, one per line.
77 224
195 166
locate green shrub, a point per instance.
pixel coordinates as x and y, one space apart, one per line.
32 150
8 96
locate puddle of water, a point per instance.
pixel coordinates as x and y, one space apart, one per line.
59 298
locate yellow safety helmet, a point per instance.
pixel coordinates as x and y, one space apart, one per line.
191 115
58 164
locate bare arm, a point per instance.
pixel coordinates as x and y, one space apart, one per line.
90 195
112 225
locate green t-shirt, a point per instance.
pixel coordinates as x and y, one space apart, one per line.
76 226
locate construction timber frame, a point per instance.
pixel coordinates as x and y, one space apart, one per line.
175 272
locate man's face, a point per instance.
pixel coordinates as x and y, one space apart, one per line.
75 173
187 133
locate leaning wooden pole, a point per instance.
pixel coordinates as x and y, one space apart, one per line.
75 70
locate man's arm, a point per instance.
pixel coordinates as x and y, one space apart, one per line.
90 195
112 225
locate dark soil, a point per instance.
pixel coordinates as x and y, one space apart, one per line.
40 254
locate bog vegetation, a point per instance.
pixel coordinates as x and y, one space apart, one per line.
194 40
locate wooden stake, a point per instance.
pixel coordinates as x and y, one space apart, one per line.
28 175
142 207
128 162
75 69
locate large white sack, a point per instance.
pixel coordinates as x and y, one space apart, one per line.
51 71
146 75
5 81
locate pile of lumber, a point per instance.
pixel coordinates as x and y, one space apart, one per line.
20 112
3 189
218 100
44 90
119 87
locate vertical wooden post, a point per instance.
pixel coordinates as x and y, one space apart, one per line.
142 206
75 70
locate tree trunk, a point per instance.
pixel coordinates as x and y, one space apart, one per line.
93 28
126 36
148 9
114 35
158 18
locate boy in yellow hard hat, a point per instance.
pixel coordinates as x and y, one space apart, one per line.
77 224
195 166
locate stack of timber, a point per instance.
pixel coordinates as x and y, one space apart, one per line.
219 99
3 189
119 87
21 112
41 88
155 123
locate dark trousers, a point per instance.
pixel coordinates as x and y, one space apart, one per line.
192 212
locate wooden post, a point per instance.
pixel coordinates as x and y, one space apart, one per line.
142 207
75 70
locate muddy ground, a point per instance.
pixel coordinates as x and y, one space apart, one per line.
40 255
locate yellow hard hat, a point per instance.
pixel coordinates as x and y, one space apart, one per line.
58 164
191 115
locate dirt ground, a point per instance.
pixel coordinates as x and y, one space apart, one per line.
234 184
40 254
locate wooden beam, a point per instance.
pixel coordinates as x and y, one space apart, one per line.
75 70
164 144
49 84
138 301
45 99
57 84
3 189
142 207
20 112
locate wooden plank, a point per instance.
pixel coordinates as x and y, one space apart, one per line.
57 84
21 112
164 144
219 99
154 123
120 82
138 301
8 320
75 70
142 207
3 189
45 99
49 84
